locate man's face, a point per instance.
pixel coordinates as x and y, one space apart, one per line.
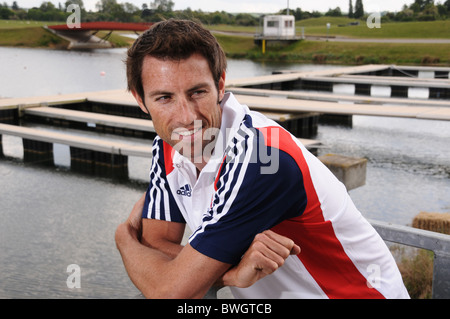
182 99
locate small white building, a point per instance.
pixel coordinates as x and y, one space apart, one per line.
279 26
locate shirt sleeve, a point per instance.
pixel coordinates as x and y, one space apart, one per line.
247 202
159 201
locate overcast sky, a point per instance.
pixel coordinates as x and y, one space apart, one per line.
260 6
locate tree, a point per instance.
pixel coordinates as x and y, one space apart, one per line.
334 12
47 6
78 2
420 5
429 13
5 13
106 6
442 11
350 9
405 15
447 5
162 5
359 9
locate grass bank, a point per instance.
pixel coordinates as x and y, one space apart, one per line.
339 52
389 30
31 37
32 34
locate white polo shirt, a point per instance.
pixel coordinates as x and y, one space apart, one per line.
261 177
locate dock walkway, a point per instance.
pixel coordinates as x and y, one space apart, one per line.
338 98
82 142
334 74
92 118
298 105
398 81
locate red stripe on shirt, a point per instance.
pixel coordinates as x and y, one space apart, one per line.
218 173
168 158
322 254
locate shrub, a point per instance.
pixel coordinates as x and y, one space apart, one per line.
417 273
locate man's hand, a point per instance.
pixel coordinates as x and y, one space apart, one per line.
133 225
266 254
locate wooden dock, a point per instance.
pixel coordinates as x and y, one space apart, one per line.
82 142
338 98
117 112
399 79
291 76
92 118
92 156
297 105
290 91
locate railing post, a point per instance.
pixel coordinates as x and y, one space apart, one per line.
441 276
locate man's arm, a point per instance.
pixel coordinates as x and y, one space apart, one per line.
163 235
190 274
158 275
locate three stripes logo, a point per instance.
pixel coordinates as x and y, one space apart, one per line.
185 190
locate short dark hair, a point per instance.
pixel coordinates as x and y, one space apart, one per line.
173 40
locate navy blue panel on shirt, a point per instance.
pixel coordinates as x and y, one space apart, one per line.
159 201
261 201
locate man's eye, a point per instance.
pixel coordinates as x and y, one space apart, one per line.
164 98
199 93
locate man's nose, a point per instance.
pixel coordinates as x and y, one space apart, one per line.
187 114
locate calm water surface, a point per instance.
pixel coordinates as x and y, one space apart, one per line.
52 218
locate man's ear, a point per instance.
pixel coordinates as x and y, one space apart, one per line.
139 101
222 86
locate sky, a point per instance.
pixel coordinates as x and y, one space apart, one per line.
258 6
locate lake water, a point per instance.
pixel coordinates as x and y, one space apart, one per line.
52 218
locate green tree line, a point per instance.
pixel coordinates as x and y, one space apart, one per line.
111 10
420 10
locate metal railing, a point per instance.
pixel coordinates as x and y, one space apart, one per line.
424 239
438 243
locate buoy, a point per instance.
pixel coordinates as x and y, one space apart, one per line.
103 73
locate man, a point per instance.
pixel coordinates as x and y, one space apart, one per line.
249 191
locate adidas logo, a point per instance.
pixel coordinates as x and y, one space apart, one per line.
186 190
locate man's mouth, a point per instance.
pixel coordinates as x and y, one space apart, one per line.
188 133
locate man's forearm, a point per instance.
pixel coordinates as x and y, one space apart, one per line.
156 275
142 263
166 247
